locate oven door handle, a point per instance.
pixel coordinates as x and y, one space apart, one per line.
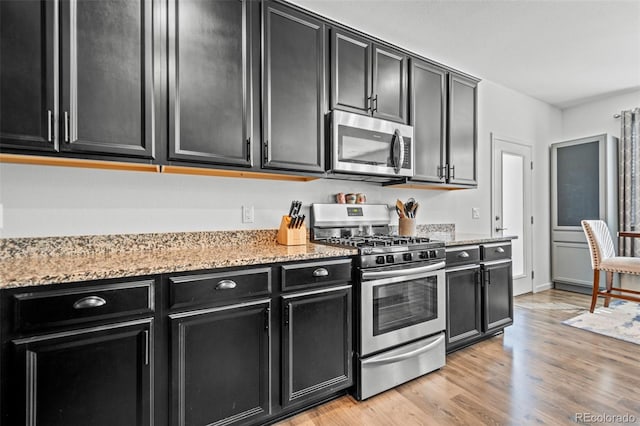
402 357
403 272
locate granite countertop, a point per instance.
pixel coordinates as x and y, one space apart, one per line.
28 269
461 239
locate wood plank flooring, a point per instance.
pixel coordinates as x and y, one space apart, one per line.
538 372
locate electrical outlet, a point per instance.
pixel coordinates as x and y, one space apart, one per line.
247 214
475 213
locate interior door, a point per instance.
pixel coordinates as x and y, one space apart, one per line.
511 206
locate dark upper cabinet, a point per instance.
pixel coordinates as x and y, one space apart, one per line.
316 344
444 119
368 78
390 71
464 307
211 63
350 72
100 376
27 76
428 118
107 101
220 365
293 90
462 148
498 295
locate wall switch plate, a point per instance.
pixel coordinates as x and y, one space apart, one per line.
475 213
247 214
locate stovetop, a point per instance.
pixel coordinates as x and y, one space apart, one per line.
387 250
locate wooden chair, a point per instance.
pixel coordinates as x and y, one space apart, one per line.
603 258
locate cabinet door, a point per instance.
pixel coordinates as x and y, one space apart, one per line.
27 75
210 68
107 81
316 344
428 118
350 72
294 98
462 151
97 376
220 365
498 296
389 84
464 305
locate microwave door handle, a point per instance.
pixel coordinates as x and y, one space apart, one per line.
403 272
401 157
398 151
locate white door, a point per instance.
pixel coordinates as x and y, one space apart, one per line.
511 205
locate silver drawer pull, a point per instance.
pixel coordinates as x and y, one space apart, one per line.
499 250
226 285
463 254
321 272
89 302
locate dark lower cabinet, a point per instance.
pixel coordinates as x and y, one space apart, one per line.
498 295
293 105
464 313
479 293
211 64
316 344
27 76
96 376
220 365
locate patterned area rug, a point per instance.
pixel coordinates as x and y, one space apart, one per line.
621 320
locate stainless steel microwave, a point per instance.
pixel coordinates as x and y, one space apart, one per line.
371 146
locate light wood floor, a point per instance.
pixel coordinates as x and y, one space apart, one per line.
538 372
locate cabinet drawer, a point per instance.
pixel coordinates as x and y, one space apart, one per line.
462 255
201 289
315 274
496 251
48 309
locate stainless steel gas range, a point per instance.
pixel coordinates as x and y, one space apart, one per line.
400 295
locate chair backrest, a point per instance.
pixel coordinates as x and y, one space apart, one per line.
599 239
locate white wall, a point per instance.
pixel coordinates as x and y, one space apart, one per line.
47 201
596 117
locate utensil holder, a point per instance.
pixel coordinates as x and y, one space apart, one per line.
291 236
407 226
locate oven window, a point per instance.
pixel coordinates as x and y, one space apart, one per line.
364 146
400 305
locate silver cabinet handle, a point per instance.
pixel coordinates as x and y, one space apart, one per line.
321 272
501 229
463 255
499 250
66 126
89 302
49 117
226 285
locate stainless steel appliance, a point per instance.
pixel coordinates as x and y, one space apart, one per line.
400 295
370 146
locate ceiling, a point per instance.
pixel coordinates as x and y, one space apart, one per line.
563 52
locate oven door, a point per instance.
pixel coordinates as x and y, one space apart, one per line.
369 145
401 305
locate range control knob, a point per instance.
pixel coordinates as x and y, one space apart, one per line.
380 260
390 258
432 254
423 255
407 256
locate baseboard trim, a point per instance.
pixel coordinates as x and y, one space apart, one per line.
543 287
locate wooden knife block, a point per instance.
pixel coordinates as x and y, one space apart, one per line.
291 237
